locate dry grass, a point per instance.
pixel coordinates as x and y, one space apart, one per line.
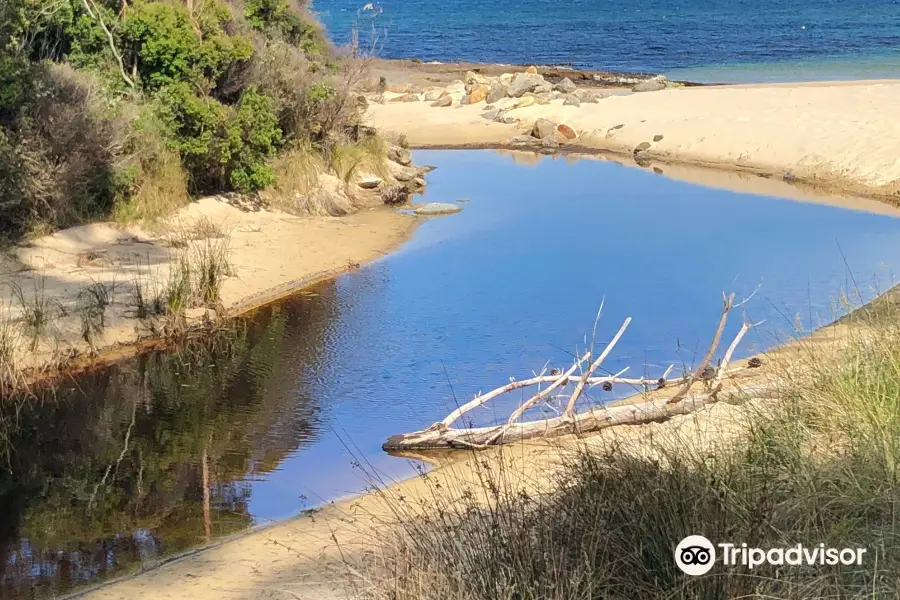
819 465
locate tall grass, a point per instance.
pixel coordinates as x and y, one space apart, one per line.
818 465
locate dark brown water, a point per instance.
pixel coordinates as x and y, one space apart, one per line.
161 453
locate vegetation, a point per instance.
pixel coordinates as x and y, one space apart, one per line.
819 465
129 107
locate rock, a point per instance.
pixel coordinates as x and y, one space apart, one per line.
423 169
522 140
362 103
496 93
399 155
589 96
405 98
524 82
443 101
651 85
543 128
566 86
435 95
544 88
532 70
491 115
657 138
564 131
552 141
571 100
640 148
401 173
437 208
524 102
398 88
417 182
477 78
477 93
542 99
507 78
369 182
508 120
456 88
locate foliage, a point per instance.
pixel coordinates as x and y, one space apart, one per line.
112 107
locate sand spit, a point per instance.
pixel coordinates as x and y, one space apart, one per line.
844 135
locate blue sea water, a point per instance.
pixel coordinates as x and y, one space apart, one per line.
703 40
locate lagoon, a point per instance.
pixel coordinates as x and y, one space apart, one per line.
287 412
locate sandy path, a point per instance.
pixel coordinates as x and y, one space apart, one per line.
845 135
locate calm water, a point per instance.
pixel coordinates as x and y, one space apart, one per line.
712 40
271 419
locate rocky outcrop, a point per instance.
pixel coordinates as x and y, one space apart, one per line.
399 155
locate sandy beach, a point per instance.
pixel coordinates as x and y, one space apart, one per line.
841 136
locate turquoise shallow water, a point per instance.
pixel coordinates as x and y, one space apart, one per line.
112 469
817 39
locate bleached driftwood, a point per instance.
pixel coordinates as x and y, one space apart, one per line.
443 435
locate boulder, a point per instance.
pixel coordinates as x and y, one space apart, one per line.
362 102
524 82
491 115
571 100
642 147
399 155
543 128
544 88
507 120
417 182
437 208
394 194
401 173
658 137
532 70
477 93
477 78
369 182
443 101
507 78
496 93
552 141
542 99
564 131
435 94
651 85
398 88
405 98
566 86
589 96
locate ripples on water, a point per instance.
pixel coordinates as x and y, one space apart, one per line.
640 35
276 413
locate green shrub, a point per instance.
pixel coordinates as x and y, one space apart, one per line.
291 23
160 38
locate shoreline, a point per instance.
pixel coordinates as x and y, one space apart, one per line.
837 136
313 551
313 249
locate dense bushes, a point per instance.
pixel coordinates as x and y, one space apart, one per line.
127 107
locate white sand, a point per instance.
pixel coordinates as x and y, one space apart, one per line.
845 135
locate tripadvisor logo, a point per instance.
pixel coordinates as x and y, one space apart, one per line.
696 555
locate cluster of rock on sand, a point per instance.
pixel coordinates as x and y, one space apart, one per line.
510 91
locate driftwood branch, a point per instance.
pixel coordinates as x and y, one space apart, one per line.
443 435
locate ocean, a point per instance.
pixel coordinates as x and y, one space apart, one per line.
725 41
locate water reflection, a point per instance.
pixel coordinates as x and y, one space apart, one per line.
153 456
